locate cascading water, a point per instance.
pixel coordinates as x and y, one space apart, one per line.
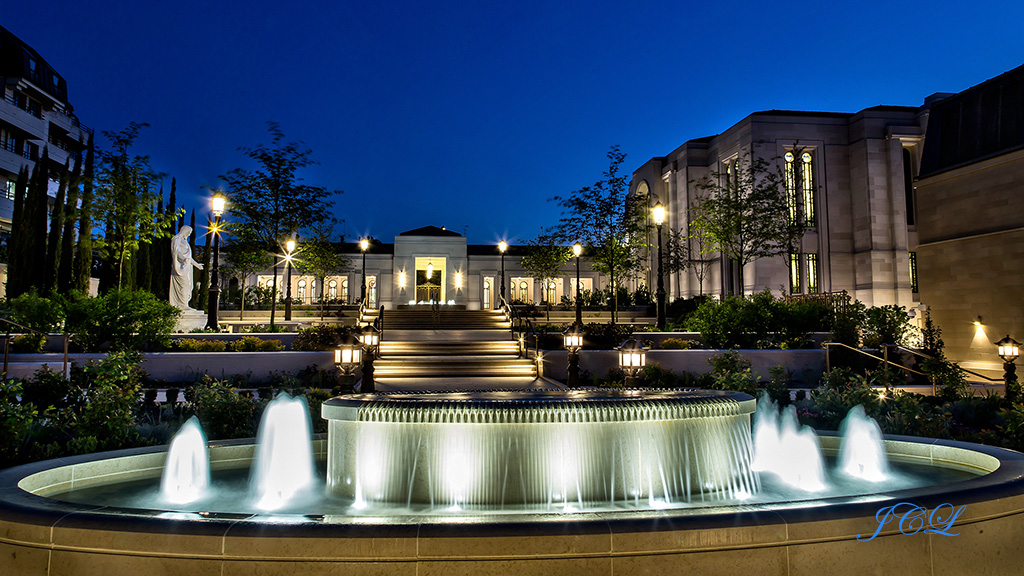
283 466
783 448
862 452
534 448
186 475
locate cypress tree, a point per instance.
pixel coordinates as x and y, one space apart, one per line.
82 270
143 270
40 201
15 246
52 261
67 237
204 275
159 259
192 249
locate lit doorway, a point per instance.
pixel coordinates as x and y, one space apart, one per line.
430 279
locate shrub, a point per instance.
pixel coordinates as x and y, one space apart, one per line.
605 336
777 387
654 376
111 395
194 345
256 344
48 389
265 329
222 412
34 311
31 343
675 344
642 296
121 319
731 371
886 325
16 419
322 337
315 399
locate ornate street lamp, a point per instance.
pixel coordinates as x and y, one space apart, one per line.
370 339
502 247
289 248
364 244
217 205
348 354
572 339
632 357
577 249
659 218
1009 350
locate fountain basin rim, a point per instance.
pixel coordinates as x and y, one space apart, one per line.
1006 480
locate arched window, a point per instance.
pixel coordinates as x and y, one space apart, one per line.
371 295
807 185
551 292
524 291
790 177
332 290
302 291
487 294
344 290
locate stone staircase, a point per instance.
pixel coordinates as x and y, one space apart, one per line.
460 344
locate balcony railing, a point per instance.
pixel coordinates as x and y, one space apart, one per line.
33 111
74 121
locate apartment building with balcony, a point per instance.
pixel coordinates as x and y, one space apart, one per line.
34 114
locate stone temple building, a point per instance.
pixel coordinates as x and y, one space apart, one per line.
852 176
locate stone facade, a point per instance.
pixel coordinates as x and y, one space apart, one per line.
859 168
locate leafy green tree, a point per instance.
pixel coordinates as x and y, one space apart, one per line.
608 221
271 202
544 259
243 257
744 214
320 257
124 202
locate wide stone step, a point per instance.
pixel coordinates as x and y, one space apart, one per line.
453 359
453 370
447 349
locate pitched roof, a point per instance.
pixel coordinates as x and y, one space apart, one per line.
430 231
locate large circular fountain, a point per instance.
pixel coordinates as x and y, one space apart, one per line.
595 482
540 447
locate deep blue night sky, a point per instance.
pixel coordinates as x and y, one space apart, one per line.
473 114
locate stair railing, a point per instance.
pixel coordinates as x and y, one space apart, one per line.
884 359
378 323
7 343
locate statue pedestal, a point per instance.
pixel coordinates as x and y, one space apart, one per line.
190 320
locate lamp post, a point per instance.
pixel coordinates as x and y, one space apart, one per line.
370 339
1009 350
632 357
217 204
289 247
348 353
577 249
364 244
572 338
659 219
502 247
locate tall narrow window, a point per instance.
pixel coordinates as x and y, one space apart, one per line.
524 291
302 291
790 177
794 272
371 290
812 273
332 290
807 186
551 292
487 293
913 272
344 290
908 187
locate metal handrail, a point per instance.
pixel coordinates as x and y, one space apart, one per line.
971 372
379 322
883 359
7 344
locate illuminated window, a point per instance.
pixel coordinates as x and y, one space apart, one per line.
812 273
302 290
794 272
9 189
807 184
908 187
332 290
524 291
790 176
371 290
551 292
344 290
913 271
799 181
487 293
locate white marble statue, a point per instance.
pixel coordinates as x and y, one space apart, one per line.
181 270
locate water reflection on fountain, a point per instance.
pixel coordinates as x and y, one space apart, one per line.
862 452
